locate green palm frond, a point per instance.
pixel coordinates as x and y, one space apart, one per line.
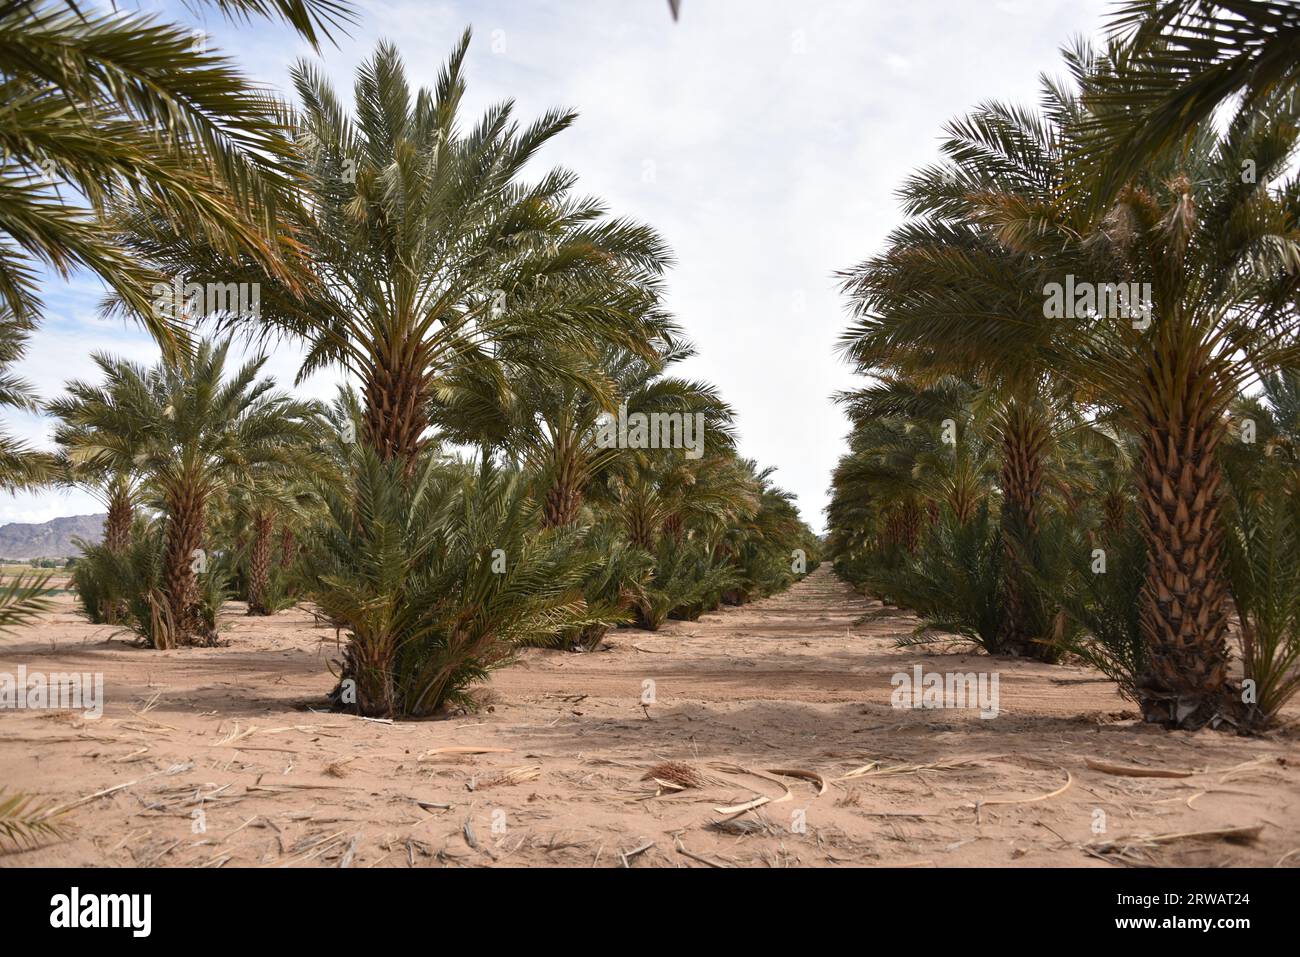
431 265
23 600
1178 61
104 107
26 820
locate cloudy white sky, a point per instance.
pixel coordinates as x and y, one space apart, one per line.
763 138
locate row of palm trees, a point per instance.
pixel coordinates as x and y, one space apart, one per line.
455 502
1078 434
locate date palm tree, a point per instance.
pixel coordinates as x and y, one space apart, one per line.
945 454
193 434
428 250
555 421
271 499
88 414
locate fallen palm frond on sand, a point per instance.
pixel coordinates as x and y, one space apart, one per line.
465 749
875 769
1134 771
1123 848
709 862
738 809
528 772
742 827
813 776
24 820
1069 781
675 776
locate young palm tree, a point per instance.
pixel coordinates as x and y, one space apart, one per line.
193 434
103 105
89 416
440 577
555 420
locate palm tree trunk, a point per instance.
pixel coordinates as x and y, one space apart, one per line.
903 527
117 523
1185 598
259 564
1024 448
564 498
366 684
640 528
288 546
963 499
396 416
181 558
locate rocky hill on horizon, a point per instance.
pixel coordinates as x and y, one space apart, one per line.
52 539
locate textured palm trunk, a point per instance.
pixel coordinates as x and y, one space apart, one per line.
396 413
182 560
117 539
903 527
563 501
674 528
366 686
117 523
259 564
1185 602
396 417
288 546
1024 448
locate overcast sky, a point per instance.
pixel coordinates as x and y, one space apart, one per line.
763 138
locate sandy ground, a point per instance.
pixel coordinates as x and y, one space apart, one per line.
222 757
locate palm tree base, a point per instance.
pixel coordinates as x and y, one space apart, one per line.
1222 710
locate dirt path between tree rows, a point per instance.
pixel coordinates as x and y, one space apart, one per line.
224 756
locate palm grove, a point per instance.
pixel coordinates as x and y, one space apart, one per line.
454 502
1079 437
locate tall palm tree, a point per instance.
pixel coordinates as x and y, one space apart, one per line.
193 434
428 248
99 106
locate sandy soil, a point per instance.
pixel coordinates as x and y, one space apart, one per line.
798 682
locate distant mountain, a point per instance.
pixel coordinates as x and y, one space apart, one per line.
52 539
